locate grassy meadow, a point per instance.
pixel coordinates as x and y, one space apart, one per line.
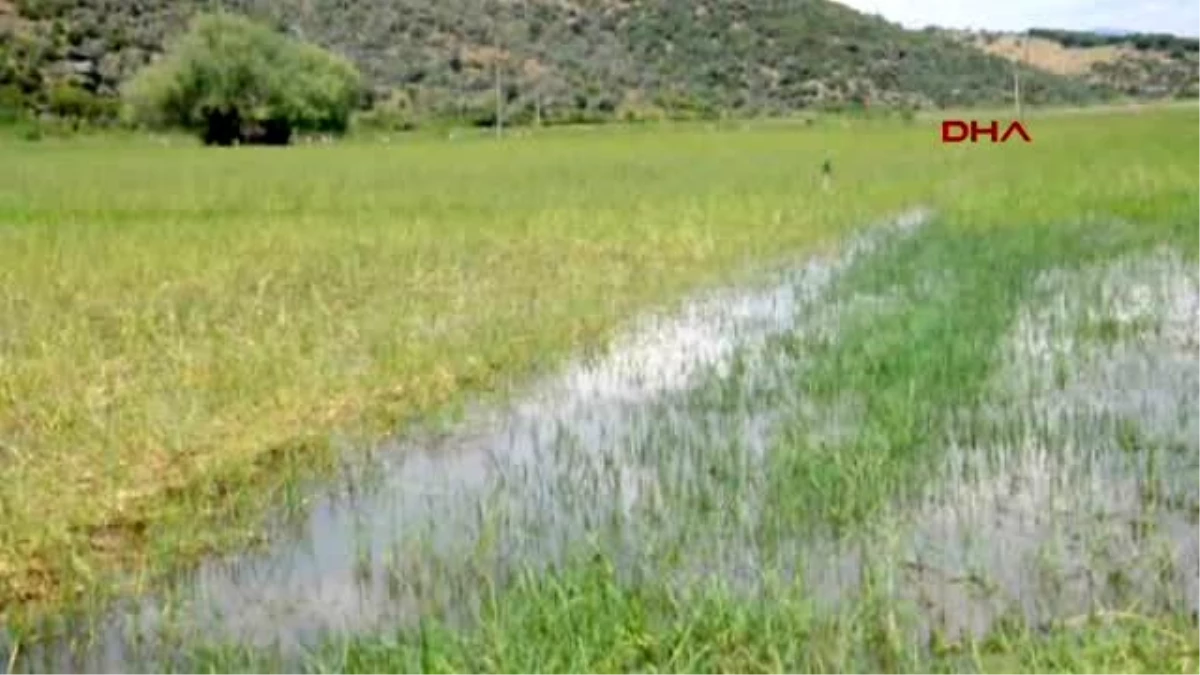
188 332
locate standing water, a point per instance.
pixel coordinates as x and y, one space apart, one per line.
622 451
386 542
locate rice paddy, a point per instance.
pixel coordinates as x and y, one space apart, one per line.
626 400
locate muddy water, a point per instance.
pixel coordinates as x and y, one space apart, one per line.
414 529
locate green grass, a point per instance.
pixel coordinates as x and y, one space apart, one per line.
179 319
186 328
907 367
587 621
915 369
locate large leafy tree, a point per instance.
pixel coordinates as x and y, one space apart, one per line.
232 79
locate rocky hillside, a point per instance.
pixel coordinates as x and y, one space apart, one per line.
557 59
1133 64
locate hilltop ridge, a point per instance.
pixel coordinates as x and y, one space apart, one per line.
1144 65
559 60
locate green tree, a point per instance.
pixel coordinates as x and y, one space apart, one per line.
231 79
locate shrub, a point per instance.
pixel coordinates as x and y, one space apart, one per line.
12 104
396 112
233 80
75 104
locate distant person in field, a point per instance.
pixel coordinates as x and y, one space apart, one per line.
827 173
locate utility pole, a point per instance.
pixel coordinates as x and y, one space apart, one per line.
1017 74
537 105
496 68
499 100
536 70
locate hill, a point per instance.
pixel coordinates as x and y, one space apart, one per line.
1133 64
560 60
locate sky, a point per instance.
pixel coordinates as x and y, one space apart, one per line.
1181 17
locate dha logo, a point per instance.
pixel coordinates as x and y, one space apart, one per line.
957 131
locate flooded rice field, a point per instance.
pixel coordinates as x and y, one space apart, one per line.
1085 494
1065 483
